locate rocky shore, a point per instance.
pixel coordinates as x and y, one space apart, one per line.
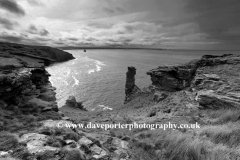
29 115
204 91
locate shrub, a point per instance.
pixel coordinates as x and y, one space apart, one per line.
72 135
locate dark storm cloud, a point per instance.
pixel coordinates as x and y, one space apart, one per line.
218 18
108 10
12 6
8 24
34 30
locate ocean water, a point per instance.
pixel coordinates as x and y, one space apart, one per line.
97 77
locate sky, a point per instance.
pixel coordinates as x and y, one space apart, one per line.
167 24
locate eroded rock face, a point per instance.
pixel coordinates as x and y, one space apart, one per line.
179 77
173 78
130 87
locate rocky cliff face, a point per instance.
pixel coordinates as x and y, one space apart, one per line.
178 77
29 116
212 79
24 82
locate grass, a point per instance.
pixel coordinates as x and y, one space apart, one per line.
225 115
7 141
227 134
73 154
219 139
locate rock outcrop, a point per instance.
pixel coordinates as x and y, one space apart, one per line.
130 87
212 79
72 103
178 77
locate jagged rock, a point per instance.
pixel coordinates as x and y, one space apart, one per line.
72 103
130 87
178 77
98 153
173 78
36 143
85 141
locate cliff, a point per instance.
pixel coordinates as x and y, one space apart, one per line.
31 126
47 54
204 92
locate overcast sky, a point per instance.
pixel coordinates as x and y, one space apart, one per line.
176 24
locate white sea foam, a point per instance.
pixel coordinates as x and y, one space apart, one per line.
66 82
91 71
105 107
68 72
98 68
98 65
76 81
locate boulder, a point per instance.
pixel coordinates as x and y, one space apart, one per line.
72 103
4 154
98 153
36 143
85 141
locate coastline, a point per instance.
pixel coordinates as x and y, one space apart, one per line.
203 91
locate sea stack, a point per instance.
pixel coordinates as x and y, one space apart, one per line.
130 87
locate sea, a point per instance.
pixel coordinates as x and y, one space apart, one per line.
97 77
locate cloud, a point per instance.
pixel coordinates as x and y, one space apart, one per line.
11 37
219 19
108 10
120 9
34 30
8 24
35 2
12 7
44 32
